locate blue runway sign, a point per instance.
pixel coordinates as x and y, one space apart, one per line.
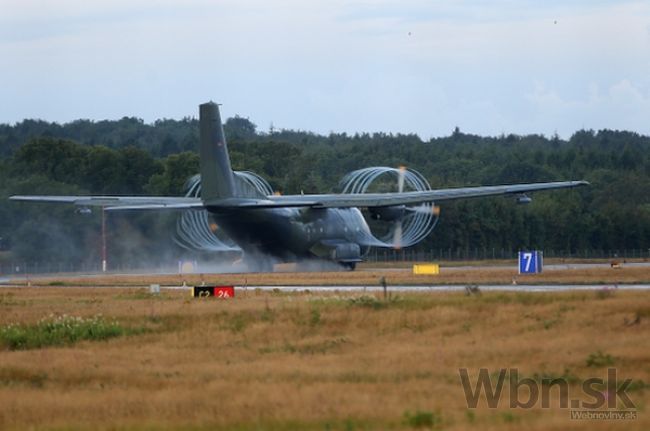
530 262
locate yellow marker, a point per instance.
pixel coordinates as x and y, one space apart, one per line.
429 269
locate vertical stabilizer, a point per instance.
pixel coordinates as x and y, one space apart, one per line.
217 178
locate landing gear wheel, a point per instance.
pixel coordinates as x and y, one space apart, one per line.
350 266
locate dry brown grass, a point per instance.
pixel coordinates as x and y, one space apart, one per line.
307 361
367 277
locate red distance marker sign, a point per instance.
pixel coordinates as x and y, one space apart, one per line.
224 291
213 291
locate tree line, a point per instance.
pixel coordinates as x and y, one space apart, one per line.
128 156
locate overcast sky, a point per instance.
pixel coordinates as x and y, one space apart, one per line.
422 66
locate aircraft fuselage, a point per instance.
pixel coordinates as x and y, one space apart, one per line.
295 233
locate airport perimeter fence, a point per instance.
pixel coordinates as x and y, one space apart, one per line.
22 268
475 254
29 268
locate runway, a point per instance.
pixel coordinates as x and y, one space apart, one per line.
556 277
441 288
7 283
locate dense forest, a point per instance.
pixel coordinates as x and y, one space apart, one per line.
130 157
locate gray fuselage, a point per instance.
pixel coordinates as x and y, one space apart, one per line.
294 233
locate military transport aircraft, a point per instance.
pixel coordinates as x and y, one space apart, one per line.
293 227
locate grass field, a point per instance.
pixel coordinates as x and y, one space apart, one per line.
124 359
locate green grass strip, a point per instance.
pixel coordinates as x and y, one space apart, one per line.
59 331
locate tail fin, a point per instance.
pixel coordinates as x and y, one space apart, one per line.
217 177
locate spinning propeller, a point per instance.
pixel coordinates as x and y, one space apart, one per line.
397 229
409 224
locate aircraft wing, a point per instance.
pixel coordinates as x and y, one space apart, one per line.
119 202
365 200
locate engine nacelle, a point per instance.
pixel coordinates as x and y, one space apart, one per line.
391 213
402 225
524 200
